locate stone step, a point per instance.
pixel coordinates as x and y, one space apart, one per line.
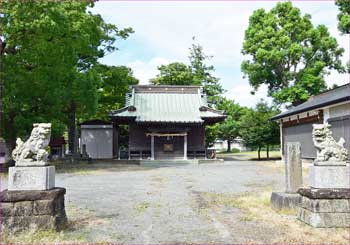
165 163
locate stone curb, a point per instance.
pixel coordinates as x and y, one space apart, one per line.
18 196
325 193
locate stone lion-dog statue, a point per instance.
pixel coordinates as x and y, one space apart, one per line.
327 148
34 150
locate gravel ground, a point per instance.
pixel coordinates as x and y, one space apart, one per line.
158 205
132 204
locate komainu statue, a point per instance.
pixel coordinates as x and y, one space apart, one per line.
327 148
34 150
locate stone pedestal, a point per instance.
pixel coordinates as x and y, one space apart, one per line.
330 176
325 208
294 178
290 199
20 210
31 178
283 200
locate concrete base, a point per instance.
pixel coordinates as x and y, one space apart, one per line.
323 176
324 220
330 163
21 210
31 178
31 163
319 211
326 205
283 200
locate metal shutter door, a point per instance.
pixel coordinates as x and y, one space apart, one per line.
301 133
341 128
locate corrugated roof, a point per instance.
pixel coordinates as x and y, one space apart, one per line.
337 95
175 104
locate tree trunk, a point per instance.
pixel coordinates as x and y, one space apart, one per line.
267 152
228 145
11 135
2 143
71 128
259 149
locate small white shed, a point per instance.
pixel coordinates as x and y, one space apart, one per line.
97 136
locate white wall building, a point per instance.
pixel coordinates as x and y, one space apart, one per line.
97 136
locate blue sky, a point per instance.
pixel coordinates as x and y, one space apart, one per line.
164 31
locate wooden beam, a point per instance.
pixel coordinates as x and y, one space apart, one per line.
185 147
152 147
311 119
166 134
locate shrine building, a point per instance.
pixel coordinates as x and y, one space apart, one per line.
165 122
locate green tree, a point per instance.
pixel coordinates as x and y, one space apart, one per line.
49 62
344 20
230 128
175 74
113 88
288 54
32 62
197 73
343 16
211 134
257 130
2 49
203 74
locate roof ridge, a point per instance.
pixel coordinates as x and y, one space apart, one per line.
332 89
333 96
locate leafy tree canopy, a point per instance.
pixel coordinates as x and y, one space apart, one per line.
203 74
288 54
197 73
175 74
115 84
49 61
343 16
230 128
256 128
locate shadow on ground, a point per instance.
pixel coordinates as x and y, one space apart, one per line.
248 156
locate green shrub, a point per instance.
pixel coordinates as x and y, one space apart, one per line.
235 150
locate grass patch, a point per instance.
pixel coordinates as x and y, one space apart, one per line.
157 209
247 218
141 207
159 179
287 212
35 237
256 209
249 155
3 176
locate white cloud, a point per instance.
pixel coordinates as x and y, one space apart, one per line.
242 94
337 78
144 71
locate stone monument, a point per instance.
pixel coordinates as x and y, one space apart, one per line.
327 202
290 199
32 199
